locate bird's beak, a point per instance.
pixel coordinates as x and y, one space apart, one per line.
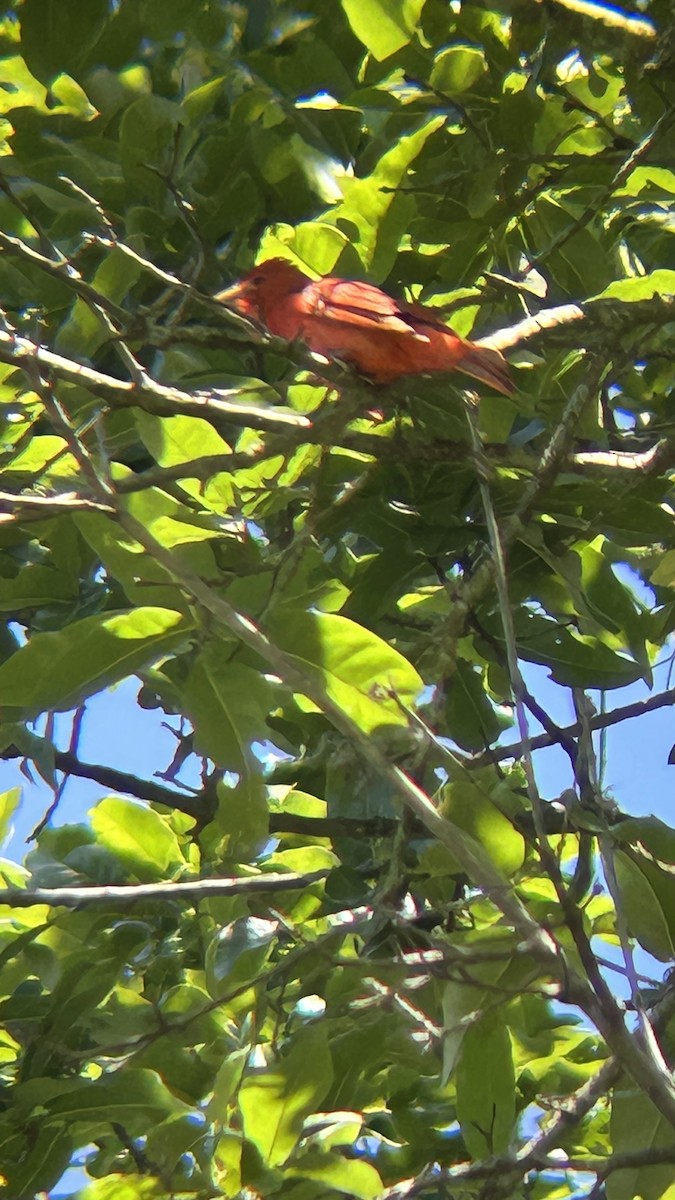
236 291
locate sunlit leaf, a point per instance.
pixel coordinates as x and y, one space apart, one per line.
275 1102
137 836
384 26
359 672
57 670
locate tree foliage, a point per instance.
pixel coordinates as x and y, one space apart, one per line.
362 956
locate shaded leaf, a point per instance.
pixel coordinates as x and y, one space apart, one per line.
486 1088
227 703
636 1124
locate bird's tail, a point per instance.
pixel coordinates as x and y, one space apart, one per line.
488 365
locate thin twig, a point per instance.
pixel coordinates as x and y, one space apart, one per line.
21 503
515 675
470 591
64 271
75 732
95 204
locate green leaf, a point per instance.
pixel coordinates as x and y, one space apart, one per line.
228 704
640 287
304 860
39 452
473 722
226 1086
461 998
275 1103
172 524
18 87
378 212
178 1135
58 670
612 604
636 1124
240 826
576 660
73 97
486 1088
85 331
648 921
644 870
664 573
178 439
334 1173
201 100
147 136
384 26
137 836
467 803
123 1187
579 262
457 69
649 182
227 1160
120 558
657 838
59 35
134 1097
35 586
40 1160
9 802
358 670
237 953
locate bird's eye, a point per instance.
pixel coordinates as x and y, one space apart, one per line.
258 279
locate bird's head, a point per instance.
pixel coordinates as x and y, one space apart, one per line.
265 285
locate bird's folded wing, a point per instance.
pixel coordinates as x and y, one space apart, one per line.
351 302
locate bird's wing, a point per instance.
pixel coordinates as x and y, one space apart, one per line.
351 302
420 315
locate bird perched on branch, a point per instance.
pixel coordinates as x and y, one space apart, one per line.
361 325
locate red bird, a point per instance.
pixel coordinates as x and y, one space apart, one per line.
359 324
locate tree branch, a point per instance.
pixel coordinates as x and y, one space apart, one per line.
152 396
600 314
599 721
660 457
611 16
198 889
20 504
